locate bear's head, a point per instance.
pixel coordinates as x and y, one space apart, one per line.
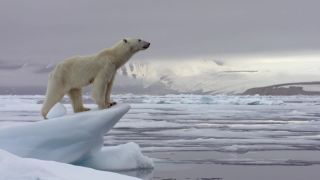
134 45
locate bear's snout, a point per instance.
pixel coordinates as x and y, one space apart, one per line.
146 46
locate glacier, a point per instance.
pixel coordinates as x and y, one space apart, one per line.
75 139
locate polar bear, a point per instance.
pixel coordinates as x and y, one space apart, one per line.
71 75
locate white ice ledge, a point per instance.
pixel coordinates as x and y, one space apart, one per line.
16 168
75 139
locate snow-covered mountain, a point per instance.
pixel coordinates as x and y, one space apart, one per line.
203 76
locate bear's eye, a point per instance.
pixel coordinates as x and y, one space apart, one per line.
139 40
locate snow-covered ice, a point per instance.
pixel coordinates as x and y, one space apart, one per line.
57 110
122 157
76 138
16 168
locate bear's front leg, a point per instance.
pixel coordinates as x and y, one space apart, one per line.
108 92
99 96
100 85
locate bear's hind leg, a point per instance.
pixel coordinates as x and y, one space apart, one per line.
76 99
51 99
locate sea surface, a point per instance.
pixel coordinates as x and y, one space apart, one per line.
208 137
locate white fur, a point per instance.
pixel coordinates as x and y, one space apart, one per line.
71 75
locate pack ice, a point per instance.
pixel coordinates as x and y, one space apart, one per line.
75 139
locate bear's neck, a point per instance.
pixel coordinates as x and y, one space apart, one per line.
116 56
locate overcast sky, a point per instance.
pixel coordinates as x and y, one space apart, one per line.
43 31
35 33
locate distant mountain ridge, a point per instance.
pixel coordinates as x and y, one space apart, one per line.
198 77
284 89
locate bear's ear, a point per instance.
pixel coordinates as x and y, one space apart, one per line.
125 40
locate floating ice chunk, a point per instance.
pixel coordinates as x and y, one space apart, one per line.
206 100
296 112
126 156
57 110
14 167
71 139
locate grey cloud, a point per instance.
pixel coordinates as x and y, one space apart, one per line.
241 71
44 70
219 62
8 66
48 31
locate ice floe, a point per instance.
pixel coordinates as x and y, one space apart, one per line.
76 138
13 167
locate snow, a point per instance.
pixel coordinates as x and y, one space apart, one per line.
125 156
57 110
13 167
74 138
